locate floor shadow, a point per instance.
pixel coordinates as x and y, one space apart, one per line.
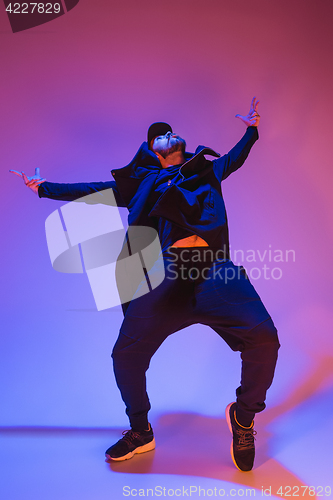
196 445
193 445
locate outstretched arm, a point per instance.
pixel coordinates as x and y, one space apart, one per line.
73 191
232 161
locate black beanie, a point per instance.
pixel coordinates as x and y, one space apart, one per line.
156 129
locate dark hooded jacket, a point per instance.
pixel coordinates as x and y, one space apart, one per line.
187 201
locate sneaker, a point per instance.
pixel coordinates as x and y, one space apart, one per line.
242 445
131 443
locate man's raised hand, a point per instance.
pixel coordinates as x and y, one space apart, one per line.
252 119
32 182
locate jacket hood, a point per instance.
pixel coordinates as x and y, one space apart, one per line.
194 164
145 167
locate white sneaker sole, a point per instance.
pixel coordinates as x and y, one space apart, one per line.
141 449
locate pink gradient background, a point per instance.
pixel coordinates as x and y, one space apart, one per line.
77 97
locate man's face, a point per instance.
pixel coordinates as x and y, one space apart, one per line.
167 144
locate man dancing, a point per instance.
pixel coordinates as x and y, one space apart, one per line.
179 195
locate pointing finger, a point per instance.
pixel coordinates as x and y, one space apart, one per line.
37 171
16 172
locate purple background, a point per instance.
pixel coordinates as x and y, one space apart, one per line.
77 97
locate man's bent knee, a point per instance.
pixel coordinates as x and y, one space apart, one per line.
264 333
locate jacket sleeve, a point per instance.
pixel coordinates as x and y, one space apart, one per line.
230 162
71 192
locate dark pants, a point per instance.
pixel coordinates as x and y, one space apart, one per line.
212 292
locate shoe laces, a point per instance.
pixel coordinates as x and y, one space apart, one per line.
245 438
130 435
